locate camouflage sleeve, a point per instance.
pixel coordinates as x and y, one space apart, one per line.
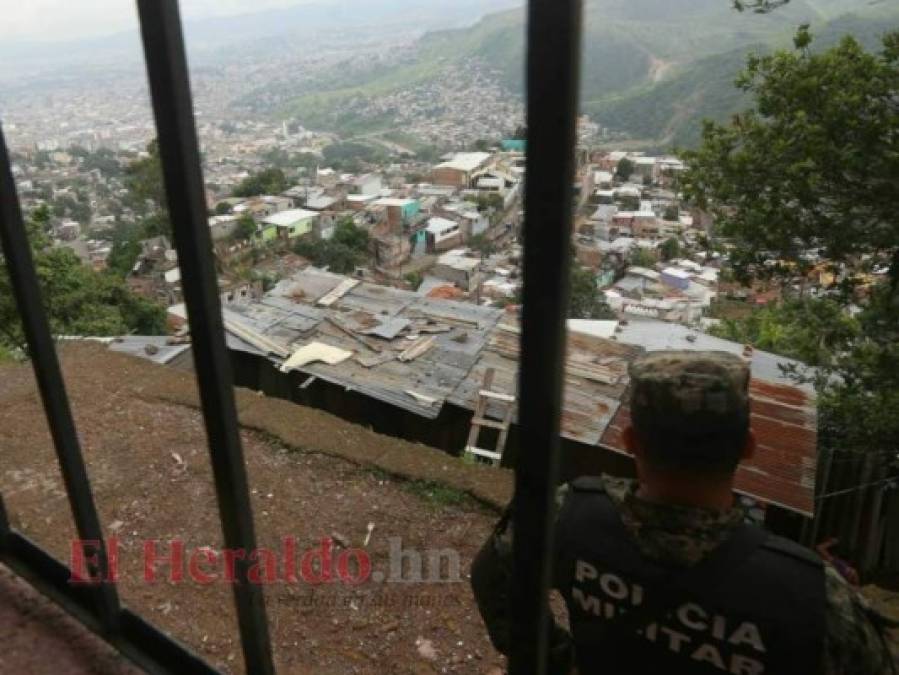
855 642
491 581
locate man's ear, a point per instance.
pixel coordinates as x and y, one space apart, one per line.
749 447
632 442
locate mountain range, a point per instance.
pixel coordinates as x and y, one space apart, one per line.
652 69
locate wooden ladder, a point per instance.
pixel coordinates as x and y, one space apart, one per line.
485 396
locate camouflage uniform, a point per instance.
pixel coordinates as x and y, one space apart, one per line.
854 641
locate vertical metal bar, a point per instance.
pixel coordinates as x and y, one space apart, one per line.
553 66
4 525
17 253
179 151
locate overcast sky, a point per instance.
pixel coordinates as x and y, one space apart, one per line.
73 19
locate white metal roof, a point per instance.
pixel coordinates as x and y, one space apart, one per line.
465 161
289 217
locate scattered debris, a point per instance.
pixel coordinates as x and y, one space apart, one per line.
421 398
420 347
315 351
426 649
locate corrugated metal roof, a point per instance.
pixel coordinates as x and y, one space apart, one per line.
378 322
782 471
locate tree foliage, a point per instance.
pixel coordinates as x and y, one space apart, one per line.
246 228
815 163
624 169
78 300
670 249
585 301
267 182
146 192
342 253
642 257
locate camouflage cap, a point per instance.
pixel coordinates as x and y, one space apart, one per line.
690 392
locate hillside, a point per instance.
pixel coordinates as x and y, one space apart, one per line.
652 69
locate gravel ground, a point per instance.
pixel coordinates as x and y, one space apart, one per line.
151 479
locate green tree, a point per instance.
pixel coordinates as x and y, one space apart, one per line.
146 192
125 249
347 233
814 163
629 203
414 279
78 300
670 249
246 228
672 213
267 182
585 301
222 209
482 245
642 257
342 253
624 169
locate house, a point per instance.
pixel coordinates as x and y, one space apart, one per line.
645 167
443 234
603 179
431 396
222 227
367 184
359 202
458 268
400 212
676 278
320 202
472 221
610 161
459 170
262 207
68 230
288 224
514 145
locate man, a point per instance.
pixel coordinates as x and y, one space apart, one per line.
663 575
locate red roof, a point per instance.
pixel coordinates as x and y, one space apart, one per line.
447 292
782 472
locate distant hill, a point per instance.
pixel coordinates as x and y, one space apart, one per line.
652 69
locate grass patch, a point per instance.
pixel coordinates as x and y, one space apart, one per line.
437 494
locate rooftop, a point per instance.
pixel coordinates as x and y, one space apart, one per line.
465 161
420 353
289 217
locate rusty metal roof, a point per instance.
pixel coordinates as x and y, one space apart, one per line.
782 472
376 321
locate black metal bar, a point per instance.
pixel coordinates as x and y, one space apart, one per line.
553 66
139 641
179 151
17 253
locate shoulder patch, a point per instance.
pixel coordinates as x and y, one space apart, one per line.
588 484
793 550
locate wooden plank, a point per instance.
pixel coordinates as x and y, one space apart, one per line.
337 292
496 396
358 338
491 424
420 347
481 452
